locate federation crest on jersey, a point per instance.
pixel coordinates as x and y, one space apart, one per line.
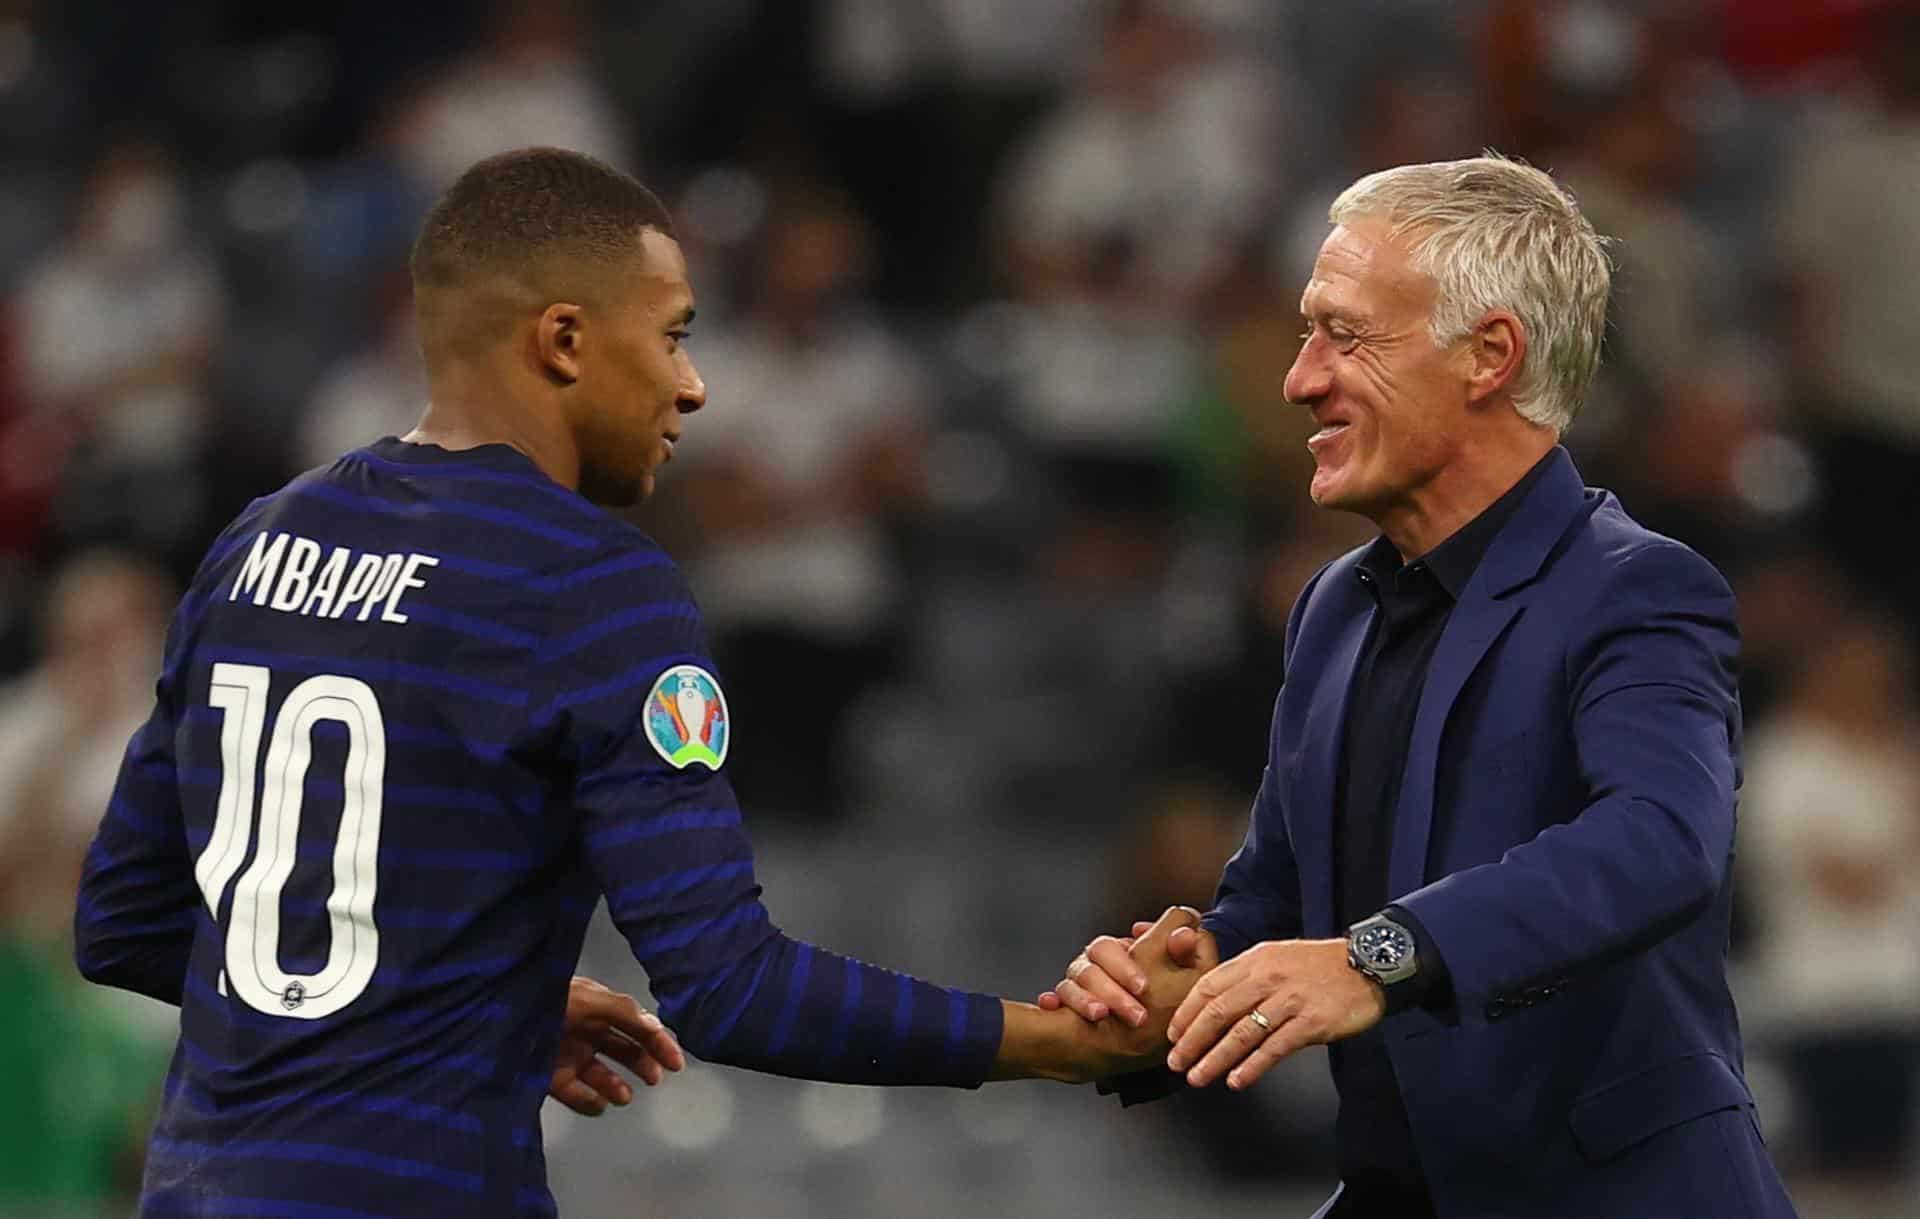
686 718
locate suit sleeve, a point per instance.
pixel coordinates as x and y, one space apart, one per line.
138 903
666 844
1259 894
1655 719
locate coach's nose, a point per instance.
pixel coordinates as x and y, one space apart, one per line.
1311 376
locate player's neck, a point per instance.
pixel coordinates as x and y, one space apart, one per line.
459 417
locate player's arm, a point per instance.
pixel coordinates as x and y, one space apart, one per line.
739 992
134 920
1652 682
661 831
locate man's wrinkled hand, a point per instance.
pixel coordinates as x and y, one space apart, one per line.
1306 993
1106 979
604 1027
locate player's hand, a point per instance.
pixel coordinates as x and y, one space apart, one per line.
1305 989
1056 1044
603 1024
1168 977
1105 978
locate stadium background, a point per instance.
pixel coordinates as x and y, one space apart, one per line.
996 508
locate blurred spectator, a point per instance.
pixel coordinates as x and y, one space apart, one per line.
1095 372
1240 663
1831 814
117 330
1681 416
531 81
1123 227
1413 113
64 725
1097 390
27 468
875 47
80 1062
1122 223
361 215
1535 53
1851 250
1173 854
1631 163
1169 151
1238 444
1782 41
920 104
377 392
810 451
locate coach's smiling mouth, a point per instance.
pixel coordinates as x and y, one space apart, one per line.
1329 431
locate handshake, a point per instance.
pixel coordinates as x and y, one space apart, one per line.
1166 984
1159 997
1069 1036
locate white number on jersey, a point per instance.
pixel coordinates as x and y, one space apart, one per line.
253 931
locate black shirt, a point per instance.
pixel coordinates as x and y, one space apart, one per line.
1414 600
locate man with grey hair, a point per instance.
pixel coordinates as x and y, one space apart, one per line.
1488 862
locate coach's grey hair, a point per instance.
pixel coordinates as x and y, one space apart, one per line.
1496 233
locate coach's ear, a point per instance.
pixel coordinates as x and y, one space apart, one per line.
557 340
1496 349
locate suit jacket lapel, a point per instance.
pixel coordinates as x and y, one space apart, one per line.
1320 761
1475 624
1487 607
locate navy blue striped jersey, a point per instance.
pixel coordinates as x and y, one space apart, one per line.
420 710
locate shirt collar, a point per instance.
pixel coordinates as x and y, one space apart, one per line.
1453 561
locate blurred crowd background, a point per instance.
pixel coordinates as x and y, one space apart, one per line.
996 510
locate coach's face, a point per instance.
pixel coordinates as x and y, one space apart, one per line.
643 382
1389 405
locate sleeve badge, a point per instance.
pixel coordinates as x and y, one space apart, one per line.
686 718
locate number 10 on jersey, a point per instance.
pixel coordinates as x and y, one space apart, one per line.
253 969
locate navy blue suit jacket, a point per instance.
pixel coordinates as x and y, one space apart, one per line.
1564 833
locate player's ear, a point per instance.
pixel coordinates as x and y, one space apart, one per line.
557 341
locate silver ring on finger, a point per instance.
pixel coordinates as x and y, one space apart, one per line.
1260 1018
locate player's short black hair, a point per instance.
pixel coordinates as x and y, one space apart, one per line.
510 211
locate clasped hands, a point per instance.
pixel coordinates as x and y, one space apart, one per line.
1304 991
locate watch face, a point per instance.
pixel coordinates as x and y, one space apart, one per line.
1383 946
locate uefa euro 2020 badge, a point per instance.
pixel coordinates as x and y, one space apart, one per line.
686 718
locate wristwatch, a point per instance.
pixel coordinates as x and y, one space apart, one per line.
1383 950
